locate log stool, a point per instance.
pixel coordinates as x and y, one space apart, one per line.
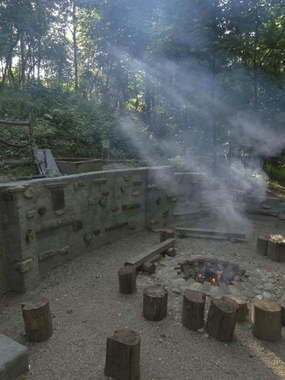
37 320
266 320
193 309
155 303
242 308
262 245
222 319
123 355
282 304
276 250
127 279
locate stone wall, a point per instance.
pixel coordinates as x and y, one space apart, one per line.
45 222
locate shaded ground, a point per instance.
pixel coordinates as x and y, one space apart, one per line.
87 308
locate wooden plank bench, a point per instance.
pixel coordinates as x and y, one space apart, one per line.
151 254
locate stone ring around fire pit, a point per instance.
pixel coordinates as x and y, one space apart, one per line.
211 270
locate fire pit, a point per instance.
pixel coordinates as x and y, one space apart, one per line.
214 271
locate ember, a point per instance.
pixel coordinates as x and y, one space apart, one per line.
211 270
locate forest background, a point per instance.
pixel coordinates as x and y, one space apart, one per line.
156 80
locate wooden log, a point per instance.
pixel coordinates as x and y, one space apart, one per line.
221 321
193 309
276 250
123 355
262 245
155 303
37 320
166 234
242 308
127 280
152 254
266 320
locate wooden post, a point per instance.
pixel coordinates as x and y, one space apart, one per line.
149 267
38 321
155 303
242 311
276 250
193 309
166 234
262 245
266 320
222 319
123 355
127 280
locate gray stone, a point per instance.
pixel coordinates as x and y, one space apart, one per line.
13 359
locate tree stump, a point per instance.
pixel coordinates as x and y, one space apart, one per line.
266 320
155 303
276 250
193 310
222 319
123 355
38 321
127 279
262 245
242 308
166 234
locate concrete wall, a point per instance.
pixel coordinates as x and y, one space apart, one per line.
48 221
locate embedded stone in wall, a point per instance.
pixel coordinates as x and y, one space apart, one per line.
24 266
31 214
28 193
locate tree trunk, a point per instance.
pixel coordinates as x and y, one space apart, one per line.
38 321
75 45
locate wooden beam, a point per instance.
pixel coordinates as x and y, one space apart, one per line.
152 254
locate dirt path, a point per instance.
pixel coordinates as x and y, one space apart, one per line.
87 308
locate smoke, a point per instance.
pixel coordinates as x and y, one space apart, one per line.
226 175
232 139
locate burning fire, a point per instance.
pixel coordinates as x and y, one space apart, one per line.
214 281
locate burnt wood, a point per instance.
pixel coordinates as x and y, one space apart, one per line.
193 309
222 318
123 355
37 320
266 320
152 254
155 303
127 280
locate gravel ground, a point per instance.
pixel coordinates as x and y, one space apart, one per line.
87 308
